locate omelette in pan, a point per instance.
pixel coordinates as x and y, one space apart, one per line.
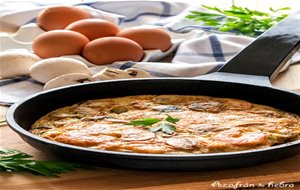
169 124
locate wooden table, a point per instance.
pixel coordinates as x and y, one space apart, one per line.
287 170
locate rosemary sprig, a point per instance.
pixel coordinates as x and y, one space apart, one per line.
238 19
14 160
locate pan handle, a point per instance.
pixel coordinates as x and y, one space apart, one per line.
269 52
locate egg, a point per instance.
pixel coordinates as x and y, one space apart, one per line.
58 17
111 49
94 28
56 43
148 38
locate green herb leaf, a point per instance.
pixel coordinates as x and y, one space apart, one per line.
241 20
167 128
155 129
164 126
280 9
143 122
171 119
14 160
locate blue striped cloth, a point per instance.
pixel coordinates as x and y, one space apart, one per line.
204 49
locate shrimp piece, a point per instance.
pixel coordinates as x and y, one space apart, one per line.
77 138
238 137
147 148
184 142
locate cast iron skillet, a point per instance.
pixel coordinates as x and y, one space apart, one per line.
247 76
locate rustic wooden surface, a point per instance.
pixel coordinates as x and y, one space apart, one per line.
287 170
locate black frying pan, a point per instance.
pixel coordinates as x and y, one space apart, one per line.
247 76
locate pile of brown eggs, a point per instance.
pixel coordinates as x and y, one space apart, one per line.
73 31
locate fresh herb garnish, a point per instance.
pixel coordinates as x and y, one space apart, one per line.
165 126
14 160
143 122
171 119
242 20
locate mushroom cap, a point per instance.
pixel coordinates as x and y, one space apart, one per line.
111 73
14 63
48 69
68 79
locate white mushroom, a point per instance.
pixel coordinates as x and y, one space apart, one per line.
48 69
67 79
111 73
15 63
138 73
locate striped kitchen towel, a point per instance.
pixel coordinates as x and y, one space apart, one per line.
203 50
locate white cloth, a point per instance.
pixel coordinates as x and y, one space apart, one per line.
204 49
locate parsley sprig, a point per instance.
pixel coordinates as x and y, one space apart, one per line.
143 122
164 127
14 160
167 125
241 20
171 119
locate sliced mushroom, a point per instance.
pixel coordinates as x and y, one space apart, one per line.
14 63
238 104
138 73
136 135
166 108
267 113
48 69
86 111
94 118
210 106
64 115
112 120
67 79
43 127
165 99
182 142
119 109
111 73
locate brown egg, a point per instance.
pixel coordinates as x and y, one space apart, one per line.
58 17
56 43
148 38
94 28
110 49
